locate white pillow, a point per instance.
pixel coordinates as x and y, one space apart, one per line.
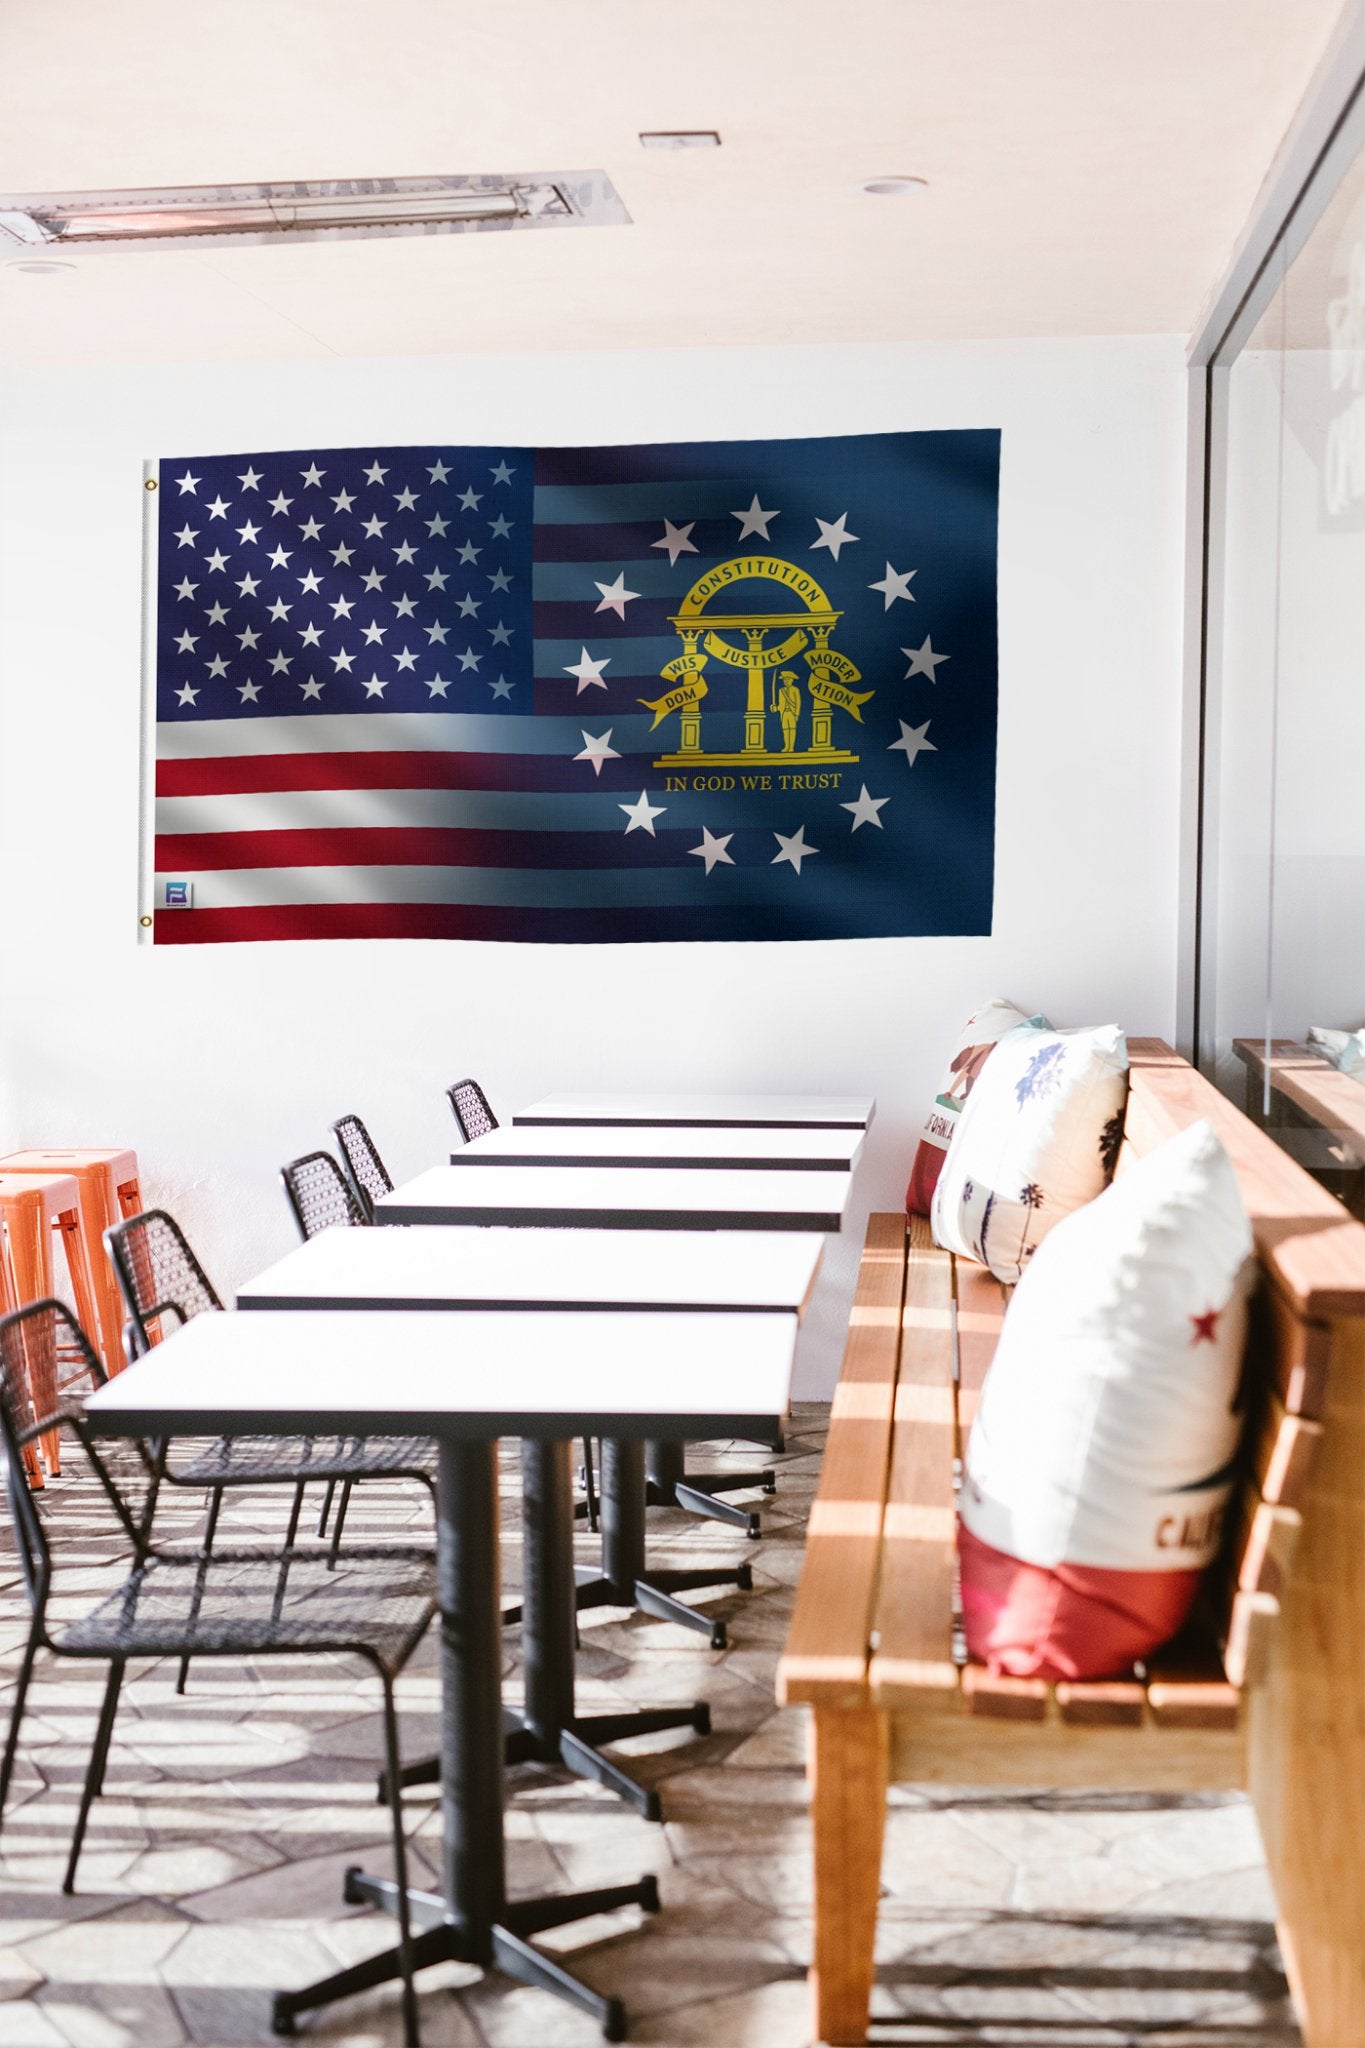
1107 1427
1345 1049
1038 1136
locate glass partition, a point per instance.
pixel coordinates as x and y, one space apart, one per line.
1283 954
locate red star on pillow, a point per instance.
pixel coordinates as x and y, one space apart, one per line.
1205 1326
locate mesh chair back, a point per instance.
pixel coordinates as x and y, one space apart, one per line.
471 1111
368 1171
48 1329
318 1194
158 1274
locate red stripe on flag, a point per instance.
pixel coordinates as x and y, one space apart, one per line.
233 774
416 846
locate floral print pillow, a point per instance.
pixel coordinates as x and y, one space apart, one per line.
1038 1136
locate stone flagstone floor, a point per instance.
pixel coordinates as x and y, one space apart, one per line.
213 1866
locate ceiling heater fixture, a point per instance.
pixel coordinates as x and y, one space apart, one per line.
343 209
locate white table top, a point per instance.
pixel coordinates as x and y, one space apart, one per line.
620 1198
833 1149
450 1268
797 1112
473 1377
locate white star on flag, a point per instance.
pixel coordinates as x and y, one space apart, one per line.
438 472
374 688
217 667
439 684
712 850
471 499
187 695
502 474
501 688
895 583
250 480
676 541
312 688
866 809
923 660
280 661
217 560
755 520
187 642
186 535
588 671
312 475
834 534
642 815
406 659
793 849
615 596
188 483
248 692
596 749
912 742
376 473
281 504
218 509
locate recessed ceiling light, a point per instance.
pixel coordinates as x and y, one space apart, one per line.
679 138
344 209
39 269
894 188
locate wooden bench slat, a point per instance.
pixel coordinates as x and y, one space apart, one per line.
1187 1686
1289 1350
1251 1632
914 1614
1282 1451
827 1648
1102 1703
981 1305
997 1698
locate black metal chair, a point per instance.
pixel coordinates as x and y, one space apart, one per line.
369 1176
320 1194
229 1603
161 1279
469 1106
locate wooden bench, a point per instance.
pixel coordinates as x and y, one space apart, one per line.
1266 1691
1315 1111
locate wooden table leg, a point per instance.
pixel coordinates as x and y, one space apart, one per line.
848 1774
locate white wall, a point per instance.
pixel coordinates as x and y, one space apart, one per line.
218 1063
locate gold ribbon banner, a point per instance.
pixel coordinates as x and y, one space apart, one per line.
823 686
689 692
740 657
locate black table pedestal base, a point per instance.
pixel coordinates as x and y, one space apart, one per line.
653 1593
437 1939
668 1484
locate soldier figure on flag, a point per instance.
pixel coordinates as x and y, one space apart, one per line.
787 704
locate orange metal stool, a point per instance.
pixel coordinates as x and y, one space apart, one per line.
107 1180
9 1301
32 1206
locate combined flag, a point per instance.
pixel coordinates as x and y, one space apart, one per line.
708 690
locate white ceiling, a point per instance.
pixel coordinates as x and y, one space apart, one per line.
1091 163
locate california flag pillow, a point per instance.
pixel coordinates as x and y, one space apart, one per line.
974 1045
1038 1135
1101 1459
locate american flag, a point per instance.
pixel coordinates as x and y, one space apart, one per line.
437 692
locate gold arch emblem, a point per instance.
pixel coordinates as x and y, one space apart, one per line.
767 643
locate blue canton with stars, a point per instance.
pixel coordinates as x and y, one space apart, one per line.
344 581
